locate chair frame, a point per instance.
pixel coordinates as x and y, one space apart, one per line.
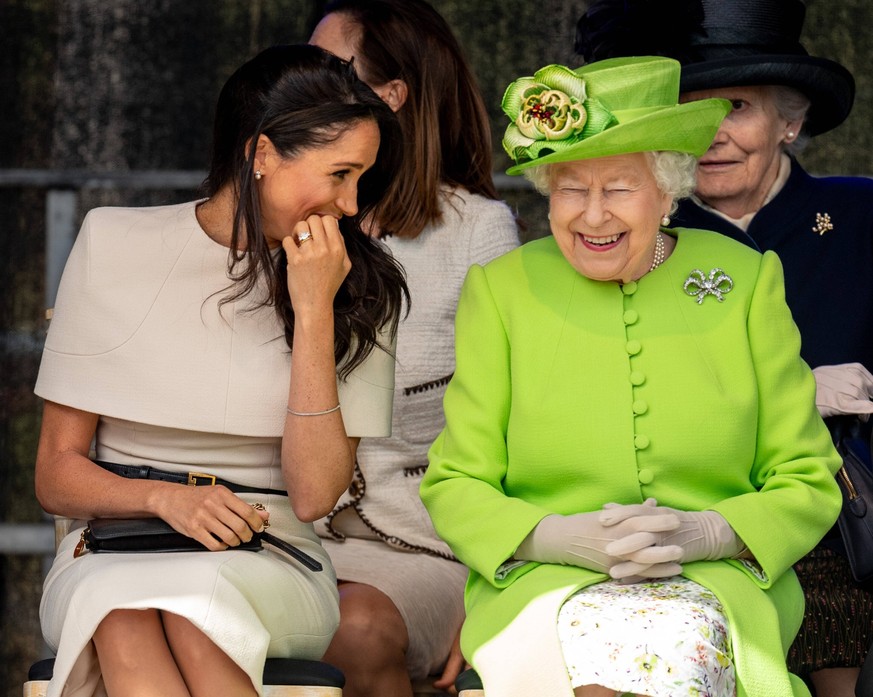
312 678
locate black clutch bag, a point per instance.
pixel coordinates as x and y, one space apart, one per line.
139 535
142 535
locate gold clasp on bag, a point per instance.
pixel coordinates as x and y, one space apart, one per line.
80 545
850 487
193 478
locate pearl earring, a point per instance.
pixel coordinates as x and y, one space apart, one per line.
665 220
258 174
790 135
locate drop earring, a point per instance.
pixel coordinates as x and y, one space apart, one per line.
258 174
665 220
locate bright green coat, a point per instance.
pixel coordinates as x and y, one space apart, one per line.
571 393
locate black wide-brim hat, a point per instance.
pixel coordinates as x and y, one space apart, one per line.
723 43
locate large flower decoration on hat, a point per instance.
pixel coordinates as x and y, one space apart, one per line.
550 112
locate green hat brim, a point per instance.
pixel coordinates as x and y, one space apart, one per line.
688 128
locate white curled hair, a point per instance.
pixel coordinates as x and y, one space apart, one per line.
792 105
675 174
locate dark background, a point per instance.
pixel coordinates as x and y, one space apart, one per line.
126 85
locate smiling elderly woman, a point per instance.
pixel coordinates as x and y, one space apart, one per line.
632 459
638 183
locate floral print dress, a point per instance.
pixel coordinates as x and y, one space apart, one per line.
663 639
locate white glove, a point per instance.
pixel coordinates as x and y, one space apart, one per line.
843 389
581 540
701 535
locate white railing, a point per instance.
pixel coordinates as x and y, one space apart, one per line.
62 200
27 538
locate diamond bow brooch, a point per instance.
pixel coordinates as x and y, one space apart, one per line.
717 283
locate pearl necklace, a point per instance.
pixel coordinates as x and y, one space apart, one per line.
659 252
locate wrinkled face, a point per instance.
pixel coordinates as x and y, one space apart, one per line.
605 213
320 180
736 173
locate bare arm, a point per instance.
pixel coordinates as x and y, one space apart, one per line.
317 455
70 484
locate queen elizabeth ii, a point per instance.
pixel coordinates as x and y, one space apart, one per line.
632 458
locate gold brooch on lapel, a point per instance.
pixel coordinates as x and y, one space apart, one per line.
717 284
822 223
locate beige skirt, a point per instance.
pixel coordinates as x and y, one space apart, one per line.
253 605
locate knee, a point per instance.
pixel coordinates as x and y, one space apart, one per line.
122 632
124 625
370 625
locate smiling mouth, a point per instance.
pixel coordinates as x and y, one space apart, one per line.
600 243
716 163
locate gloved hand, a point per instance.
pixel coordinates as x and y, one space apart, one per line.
581 540
700 535
843 389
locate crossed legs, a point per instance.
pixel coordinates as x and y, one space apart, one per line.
148 653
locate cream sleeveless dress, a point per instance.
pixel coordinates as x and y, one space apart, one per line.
137 337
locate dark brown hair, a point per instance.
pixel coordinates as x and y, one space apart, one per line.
302 97
445 124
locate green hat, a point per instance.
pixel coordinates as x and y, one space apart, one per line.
611 107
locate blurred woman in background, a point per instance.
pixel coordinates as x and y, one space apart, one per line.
401 589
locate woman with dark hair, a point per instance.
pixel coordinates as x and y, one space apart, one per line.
752 187
401 592
243 341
